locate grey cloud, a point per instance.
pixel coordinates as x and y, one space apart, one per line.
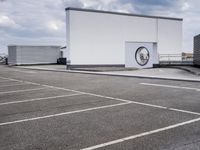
37 21
155 2
148 6
71 3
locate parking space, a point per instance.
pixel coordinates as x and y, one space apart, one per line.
76 111
187 137
70 103
32 94
19 87
91 127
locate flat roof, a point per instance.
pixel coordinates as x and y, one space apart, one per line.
17 45
119 13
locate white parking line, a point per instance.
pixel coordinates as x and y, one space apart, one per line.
61 114
123 100
39 99
31 83
14 85
142 134
4 81
91 94
10 79
17 91
171 86
133 102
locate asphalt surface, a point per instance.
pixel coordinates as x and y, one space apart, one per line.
44 110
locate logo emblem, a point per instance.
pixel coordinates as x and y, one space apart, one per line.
142 56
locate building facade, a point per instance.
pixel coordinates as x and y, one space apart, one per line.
196 50
105 38
26 55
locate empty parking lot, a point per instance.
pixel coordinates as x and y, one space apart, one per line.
42 110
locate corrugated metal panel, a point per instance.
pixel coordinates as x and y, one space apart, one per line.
12 55
197 50
36 54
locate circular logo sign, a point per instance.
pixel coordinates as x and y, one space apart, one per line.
142 56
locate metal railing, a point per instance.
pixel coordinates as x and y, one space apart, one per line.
176 59
3 58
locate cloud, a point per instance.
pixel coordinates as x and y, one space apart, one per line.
28 21
5 21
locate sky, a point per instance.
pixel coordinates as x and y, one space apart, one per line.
42 22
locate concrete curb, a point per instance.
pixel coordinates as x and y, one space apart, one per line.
114 74
187 69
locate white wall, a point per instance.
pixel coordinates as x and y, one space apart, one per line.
99 38
66 52
20 54
12 55
169 36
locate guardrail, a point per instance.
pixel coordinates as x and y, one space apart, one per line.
3 58
176 59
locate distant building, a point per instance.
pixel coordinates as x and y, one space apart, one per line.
197 50
26 55
103 38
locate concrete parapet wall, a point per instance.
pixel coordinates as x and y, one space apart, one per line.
197 50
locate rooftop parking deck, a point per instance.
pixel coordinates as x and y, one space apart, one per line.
60 110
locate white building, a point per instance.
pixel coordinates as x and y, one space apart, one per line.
105 38
28 55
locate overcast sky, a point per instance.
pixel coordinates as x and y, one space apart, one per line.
43 21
